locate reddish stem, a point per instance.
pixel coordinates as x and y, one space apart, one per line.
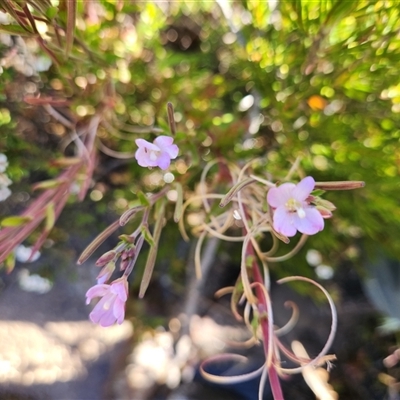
262 305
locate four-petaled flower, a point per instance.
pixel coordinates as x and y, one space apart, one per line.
156 154
111 307
292 210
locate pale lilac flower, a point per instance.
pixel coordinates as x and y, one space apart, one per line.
111 307
292 210
156 154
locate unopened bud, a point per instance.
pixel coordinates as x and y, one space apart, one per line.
105 273
124 263
325 213
131 252
324 204
128 253
105 258
390 361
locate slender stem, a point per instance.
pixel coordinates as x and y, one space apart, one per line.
262 305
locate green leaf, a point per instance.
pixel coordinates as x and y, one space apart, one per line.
15 221
144 201
9 262
50 217
49 184
147 235
14 30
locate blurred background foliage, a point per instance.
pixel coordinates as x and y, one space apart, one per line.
277 80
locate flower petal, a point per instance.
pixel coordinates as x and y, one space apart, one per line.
97 291
278 196
143 158
120 288
119 310
164 160
311 223
283 222
141 143
163 141
107 318
304 188
99 309
172 151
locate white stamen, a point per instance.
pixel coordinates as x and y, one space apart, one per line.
153 155
301 213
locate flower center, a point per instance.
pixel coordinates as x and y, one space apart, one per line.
154 155
293 205
110 301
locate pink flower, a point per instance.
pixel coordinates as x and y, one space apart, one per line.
292 211
156 154
111 308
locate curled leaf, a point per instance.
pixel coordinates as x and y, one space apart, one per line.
236 188
228 380
127 215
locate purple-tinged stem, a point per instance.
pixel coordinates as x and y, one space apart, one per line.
272 374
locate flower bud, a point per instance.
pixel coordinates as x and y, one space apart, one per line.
105 273
124 263
324 204
105 258
325 213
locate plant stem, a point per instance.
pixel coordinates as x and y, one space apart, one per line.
262 305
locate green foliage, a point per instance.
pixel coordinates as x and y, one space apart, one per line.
321 77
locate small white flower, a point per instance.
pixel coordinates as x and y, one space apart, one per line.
3 162
5 192
33 283
5 180
23 253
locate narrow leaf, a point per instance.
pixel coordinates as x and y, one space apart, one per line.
171 118
151 259
144 201
15 30
179 202
15 221
71 19
49 184
50 217
147 235
66 161
9 262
